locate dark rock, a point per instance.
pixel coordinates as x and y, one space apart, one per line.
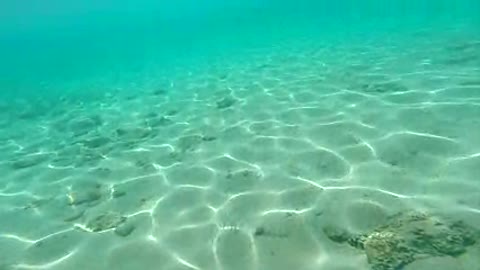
159 92
383 87
105 222
171 113
96 142
189 143
225 102
159 122
85 197
133 133
103 172
118 193
408 236
259 231
37 203
124 229
209 138
336 234
28 161
84 125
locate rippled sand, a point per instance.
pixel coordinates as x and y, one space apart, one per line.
242 165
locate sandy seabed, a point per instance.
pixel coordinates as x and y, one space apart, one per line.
304 156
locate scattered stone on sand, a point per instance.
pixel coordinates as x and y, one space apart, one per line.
159 92
105 221
189 143
208 138
383 87
243 175
74 215
84 125
151 115
124 229
118 193
28 161
239 181
88 158
37 203
159 121
336 234
102 171
407 237
262 231
133 133
259 231
96 142
225 102
85 197
171 113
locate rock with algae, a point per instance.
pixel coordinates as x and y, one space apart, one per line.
105 222
406 237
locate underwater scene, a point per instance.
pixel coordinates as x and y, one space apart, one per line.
240 135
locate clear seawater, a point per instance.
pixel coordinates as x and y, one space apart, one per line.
255 134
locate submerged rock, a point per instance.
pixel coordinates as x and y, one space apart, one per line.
96 142
159 92
406 237
84 125
383 87
105 221
28 161
125 229
189 143
76 198
225 102
159 121
133 133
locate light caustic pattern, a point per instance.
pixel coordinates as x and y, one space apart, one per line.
241 165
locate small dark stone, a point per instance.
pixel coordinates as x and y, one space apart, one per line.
106 221
159 122
225 102
259 231
159 92
171 113
189 143
27 161
89 197
336 234
209 138
96 142
383 87
125 229
118 193
151 115
102 171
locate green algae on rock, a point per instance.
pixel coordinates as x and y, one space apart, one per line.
408 236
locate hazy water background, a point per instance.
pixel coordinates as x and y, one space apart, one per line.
47 44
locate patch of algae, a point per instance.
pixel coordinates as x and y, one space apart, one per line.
406 237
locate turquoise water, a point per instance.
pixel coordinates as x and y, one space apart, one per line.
240 135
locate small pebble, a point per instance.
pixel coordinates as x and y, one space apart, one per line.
118 193
124 230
